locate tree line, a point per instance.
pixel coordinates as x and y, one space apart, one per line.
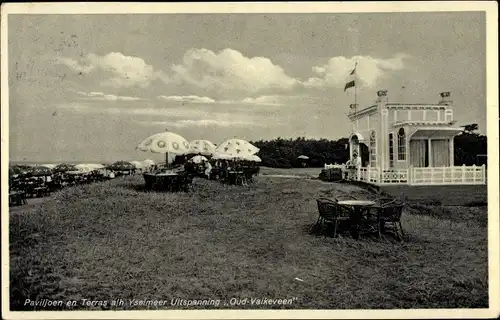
283 153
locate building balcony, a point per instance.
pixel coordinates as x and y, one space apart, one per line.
456 175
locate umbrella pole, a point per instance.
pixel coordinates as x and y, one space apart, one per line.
166 160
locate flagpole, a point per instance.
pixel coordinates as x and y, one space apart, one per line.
355 94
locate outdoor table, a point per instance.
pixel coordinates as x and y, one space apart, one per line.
235 176
17 197
359 207
166 179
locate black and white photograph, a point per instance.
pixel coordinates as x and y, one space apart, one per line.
292 159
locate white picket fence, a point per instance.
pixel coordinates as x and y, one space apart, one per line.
424 176
332 166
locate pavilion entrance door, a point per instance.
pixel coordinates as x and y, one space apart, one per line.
365 155
419 153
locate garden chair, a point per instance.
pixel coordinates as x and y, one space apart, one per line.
391 214
384 201
321 208
330 212
187 182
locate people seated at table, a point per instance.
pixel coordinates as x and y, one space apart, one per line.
208 169
189 167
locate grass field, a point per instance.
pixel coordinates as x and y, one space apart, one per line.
113 240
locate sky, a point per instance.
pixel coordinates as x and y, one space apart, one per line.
92 87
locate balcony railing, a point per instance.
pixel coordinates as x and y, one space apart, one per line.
423 176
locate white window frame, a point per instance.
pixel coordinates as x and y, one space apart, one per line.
399 145
391 149
373 149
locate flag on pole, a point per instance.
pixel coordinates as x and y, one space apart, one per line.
351 83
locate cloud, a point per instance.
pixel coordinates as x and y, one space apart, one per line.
230 70
201 123
124 71
264 100
103 96
369 70
188 99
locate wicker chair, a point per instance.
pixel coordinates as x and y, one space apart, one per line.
321 208
391 214
187 182
384 201
330 212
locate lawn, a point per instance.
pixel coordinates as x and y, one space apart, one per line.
113 240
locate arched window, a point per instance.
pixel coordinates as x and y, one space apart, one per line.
401 144
373 149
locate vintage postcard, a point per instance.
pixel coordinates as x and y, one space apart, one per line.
250 160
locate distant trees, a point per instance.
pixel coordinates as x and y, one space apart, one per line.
468 145
283 153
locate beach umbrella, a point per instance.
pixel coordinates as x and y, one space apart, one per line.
122 166
198 159
253 158
40 171
303 157
148 163
18 170
83 168
50 165
237 148
64 167
166 143
223 156
95 166
138 164
203 147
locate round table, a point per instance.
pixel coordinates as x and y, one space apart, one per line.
162 177
358 207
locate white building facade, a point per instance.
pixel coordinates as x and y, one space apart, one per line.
409 144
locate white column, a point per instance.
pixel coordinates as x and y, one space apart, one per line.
429 144
452 153
424 115
409 115
384 139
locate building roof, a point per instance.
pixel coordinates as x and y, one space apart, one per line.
423 123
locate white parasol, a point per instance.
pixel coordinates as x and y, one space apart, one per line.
49 165
238 148
148 163
165 142
83 168
198 159
138 164
203 147
254 158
